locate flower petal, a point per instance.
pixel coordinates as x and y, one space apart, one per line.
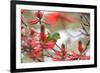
32 22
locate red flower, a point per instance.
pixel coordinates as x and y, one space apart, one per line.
60 56
39 14
80 47
32 22
36 53
33 43
85 58
54 17
64 51
74 54
36 36
28 41
50 44
57 56
57 59
69 59
43 36
58 53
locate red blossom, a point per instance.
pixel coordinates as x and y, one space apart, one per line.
36 53
57 59
43 36
74 54
57 56
28 41
32 22
54 17
33 43
39 14
50 44
85 57
36 36
64 51
80 47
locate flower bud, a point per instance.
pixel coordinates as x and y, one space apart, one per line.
39 14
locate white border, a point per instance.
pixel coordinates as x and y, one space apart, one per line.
20 65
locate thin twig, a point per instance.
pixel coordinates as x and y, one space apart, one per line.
86 24
86 19
48 53
84 28
58 47
23 19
